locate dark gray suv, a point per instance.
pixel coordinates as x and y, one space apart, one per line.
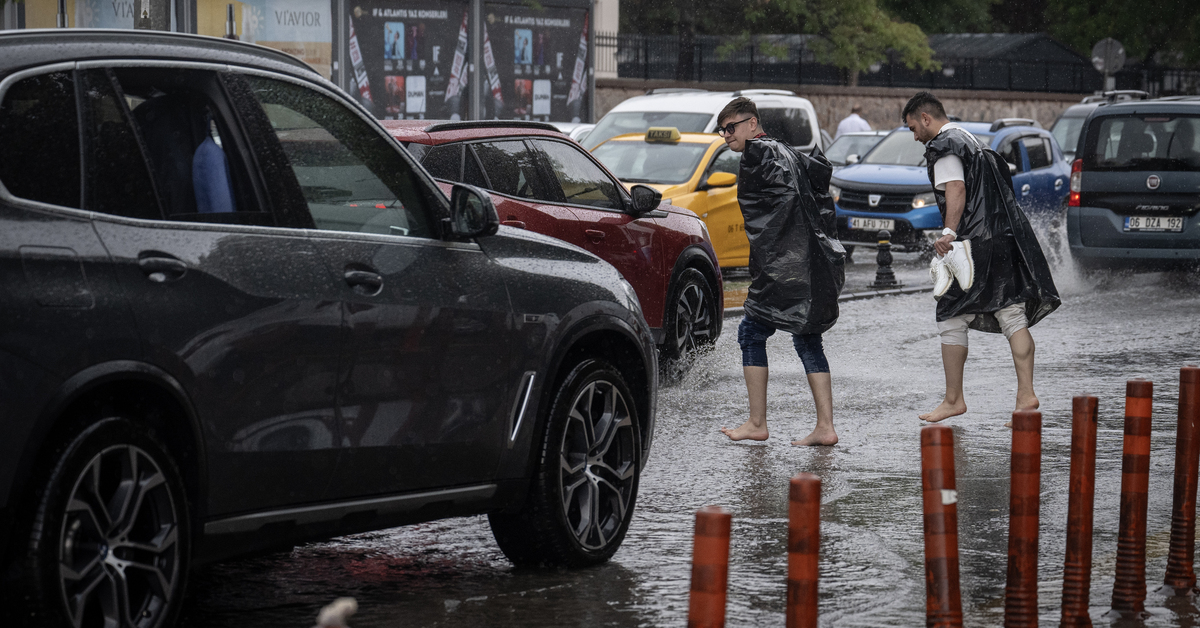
1134 200
237 316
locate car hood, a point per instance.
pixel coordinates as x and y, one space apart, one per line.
881 174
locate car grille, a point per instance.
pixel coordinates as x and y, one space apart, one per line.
858 201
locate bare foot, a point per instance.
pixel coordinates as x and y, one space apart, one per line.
819 436
747 431
1027 402
944 410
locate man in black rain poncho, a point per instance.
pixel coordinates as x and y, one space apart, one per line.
796 270
1012 288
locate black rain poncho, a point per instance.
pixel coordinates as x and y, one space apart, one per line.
796 269
1010 267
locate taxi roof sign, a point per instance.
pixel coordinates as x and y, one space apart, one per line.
662 134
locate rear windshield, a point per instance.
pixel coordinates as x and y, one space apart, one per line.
1144 142
900 149
615 124
1066 133
790 125
643 162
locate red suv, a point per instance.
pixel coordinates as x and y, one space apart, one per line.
542 181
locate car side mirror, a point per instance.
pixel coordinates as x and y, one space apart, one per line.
472 213
1012 168
721 180
851 159
645 198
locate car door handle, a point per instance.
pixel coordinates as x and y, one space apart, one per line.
513 223
364 281
595 235
1058 184
161 269
1025 190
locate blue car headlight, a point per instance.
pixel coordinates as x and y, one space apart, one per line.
835 192
924 200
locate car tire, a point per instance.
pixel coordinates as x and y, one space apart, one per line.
108 540
690 320
585 482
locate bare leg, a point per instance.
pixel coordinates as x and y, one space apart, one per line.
822 391
1022 347
954 359
756 387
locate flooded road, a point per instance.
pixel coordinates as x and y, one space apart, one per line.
886 368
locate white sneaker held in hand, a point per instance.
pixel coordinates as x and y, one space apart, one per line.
941 276
961 264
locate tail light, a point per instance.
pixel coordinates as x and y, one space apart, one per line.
1076 183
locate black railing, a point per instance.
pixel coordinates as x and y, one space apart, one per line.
786 60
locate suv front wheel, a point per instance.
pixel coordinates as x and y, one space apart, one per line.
585 483
691 320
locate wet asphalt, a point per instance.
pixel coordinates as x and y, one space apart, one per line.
886 368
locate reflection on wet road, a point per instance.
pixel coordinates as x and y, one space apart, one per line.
886 367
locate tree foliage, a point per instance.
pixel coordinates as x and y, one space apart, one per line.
1166 29
944 16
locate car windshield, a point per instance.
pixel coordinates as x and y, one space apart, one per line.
1066 133
900 149
620 123
850 145
646 162
1144 142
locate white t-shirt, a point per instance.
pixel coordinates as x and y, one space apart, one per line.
851 124
950 167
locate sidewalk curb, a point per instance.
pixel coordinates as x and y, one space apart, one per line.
852 296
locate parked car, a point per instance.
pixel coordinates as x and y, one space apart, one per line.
889 188
1133 200
1066 128
238 316
786 116
541 181
695 171
574 130
848 148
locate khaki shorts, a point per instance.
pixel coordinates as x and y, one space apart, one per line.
954 330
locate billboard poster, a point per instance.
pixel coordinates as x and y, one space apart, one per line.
301 28
535 60
417 52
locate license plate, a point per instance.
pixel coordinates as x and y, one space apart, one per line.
872 224
1154 223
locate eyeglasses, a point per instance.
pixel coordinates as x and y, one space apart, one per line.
728 128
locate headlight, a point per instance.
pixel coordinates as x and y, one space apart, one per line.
835 192
631 297
923 200
704 228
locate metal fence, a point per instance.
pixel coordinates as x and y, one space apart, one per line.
786 60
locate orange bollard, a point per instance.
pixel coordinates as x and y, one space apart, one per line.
1180 574
943 600
710 568
1077 568
1024 497
1129 590
804 541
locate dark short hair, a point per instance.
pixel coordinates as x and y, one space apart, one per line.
923 102
856 108
738 106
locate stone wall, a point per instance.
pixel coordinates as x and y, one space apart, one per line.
881 105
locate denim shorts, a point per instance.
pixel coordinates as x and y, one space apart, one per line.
753 334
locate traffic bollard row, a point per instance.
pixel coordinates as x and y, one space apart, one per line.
1180 574
1077 567
1129 590
943 600
1020 594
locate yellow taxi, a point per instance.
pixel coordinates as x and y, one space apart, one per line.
692 170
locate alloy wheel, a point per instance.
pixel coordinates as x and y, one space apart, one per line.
119 551
597 464
693 320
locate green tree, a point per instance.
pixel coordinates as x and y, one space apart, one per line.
944 16
1149 30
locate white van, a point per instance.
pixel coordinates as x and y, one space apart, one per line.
782 114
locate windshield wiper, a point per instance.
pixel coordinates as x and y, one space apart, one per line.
638 180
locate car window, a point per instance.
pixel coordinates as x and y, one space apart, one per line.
726 161
582 182
352 178
1144 142
444 162
651 162
850 145
620 123
118 177
472 171
1066 131
1009 151
39 140
1038 150
789 125
512 169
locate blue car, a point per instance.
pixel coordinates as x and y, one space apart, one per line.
889 187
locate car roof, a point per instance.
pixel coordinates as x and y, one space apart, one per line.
864 133
704 101
1158 105
687 138
434 132
38 47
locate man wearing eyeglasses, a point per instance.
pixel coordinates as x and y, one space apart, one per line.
796 269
